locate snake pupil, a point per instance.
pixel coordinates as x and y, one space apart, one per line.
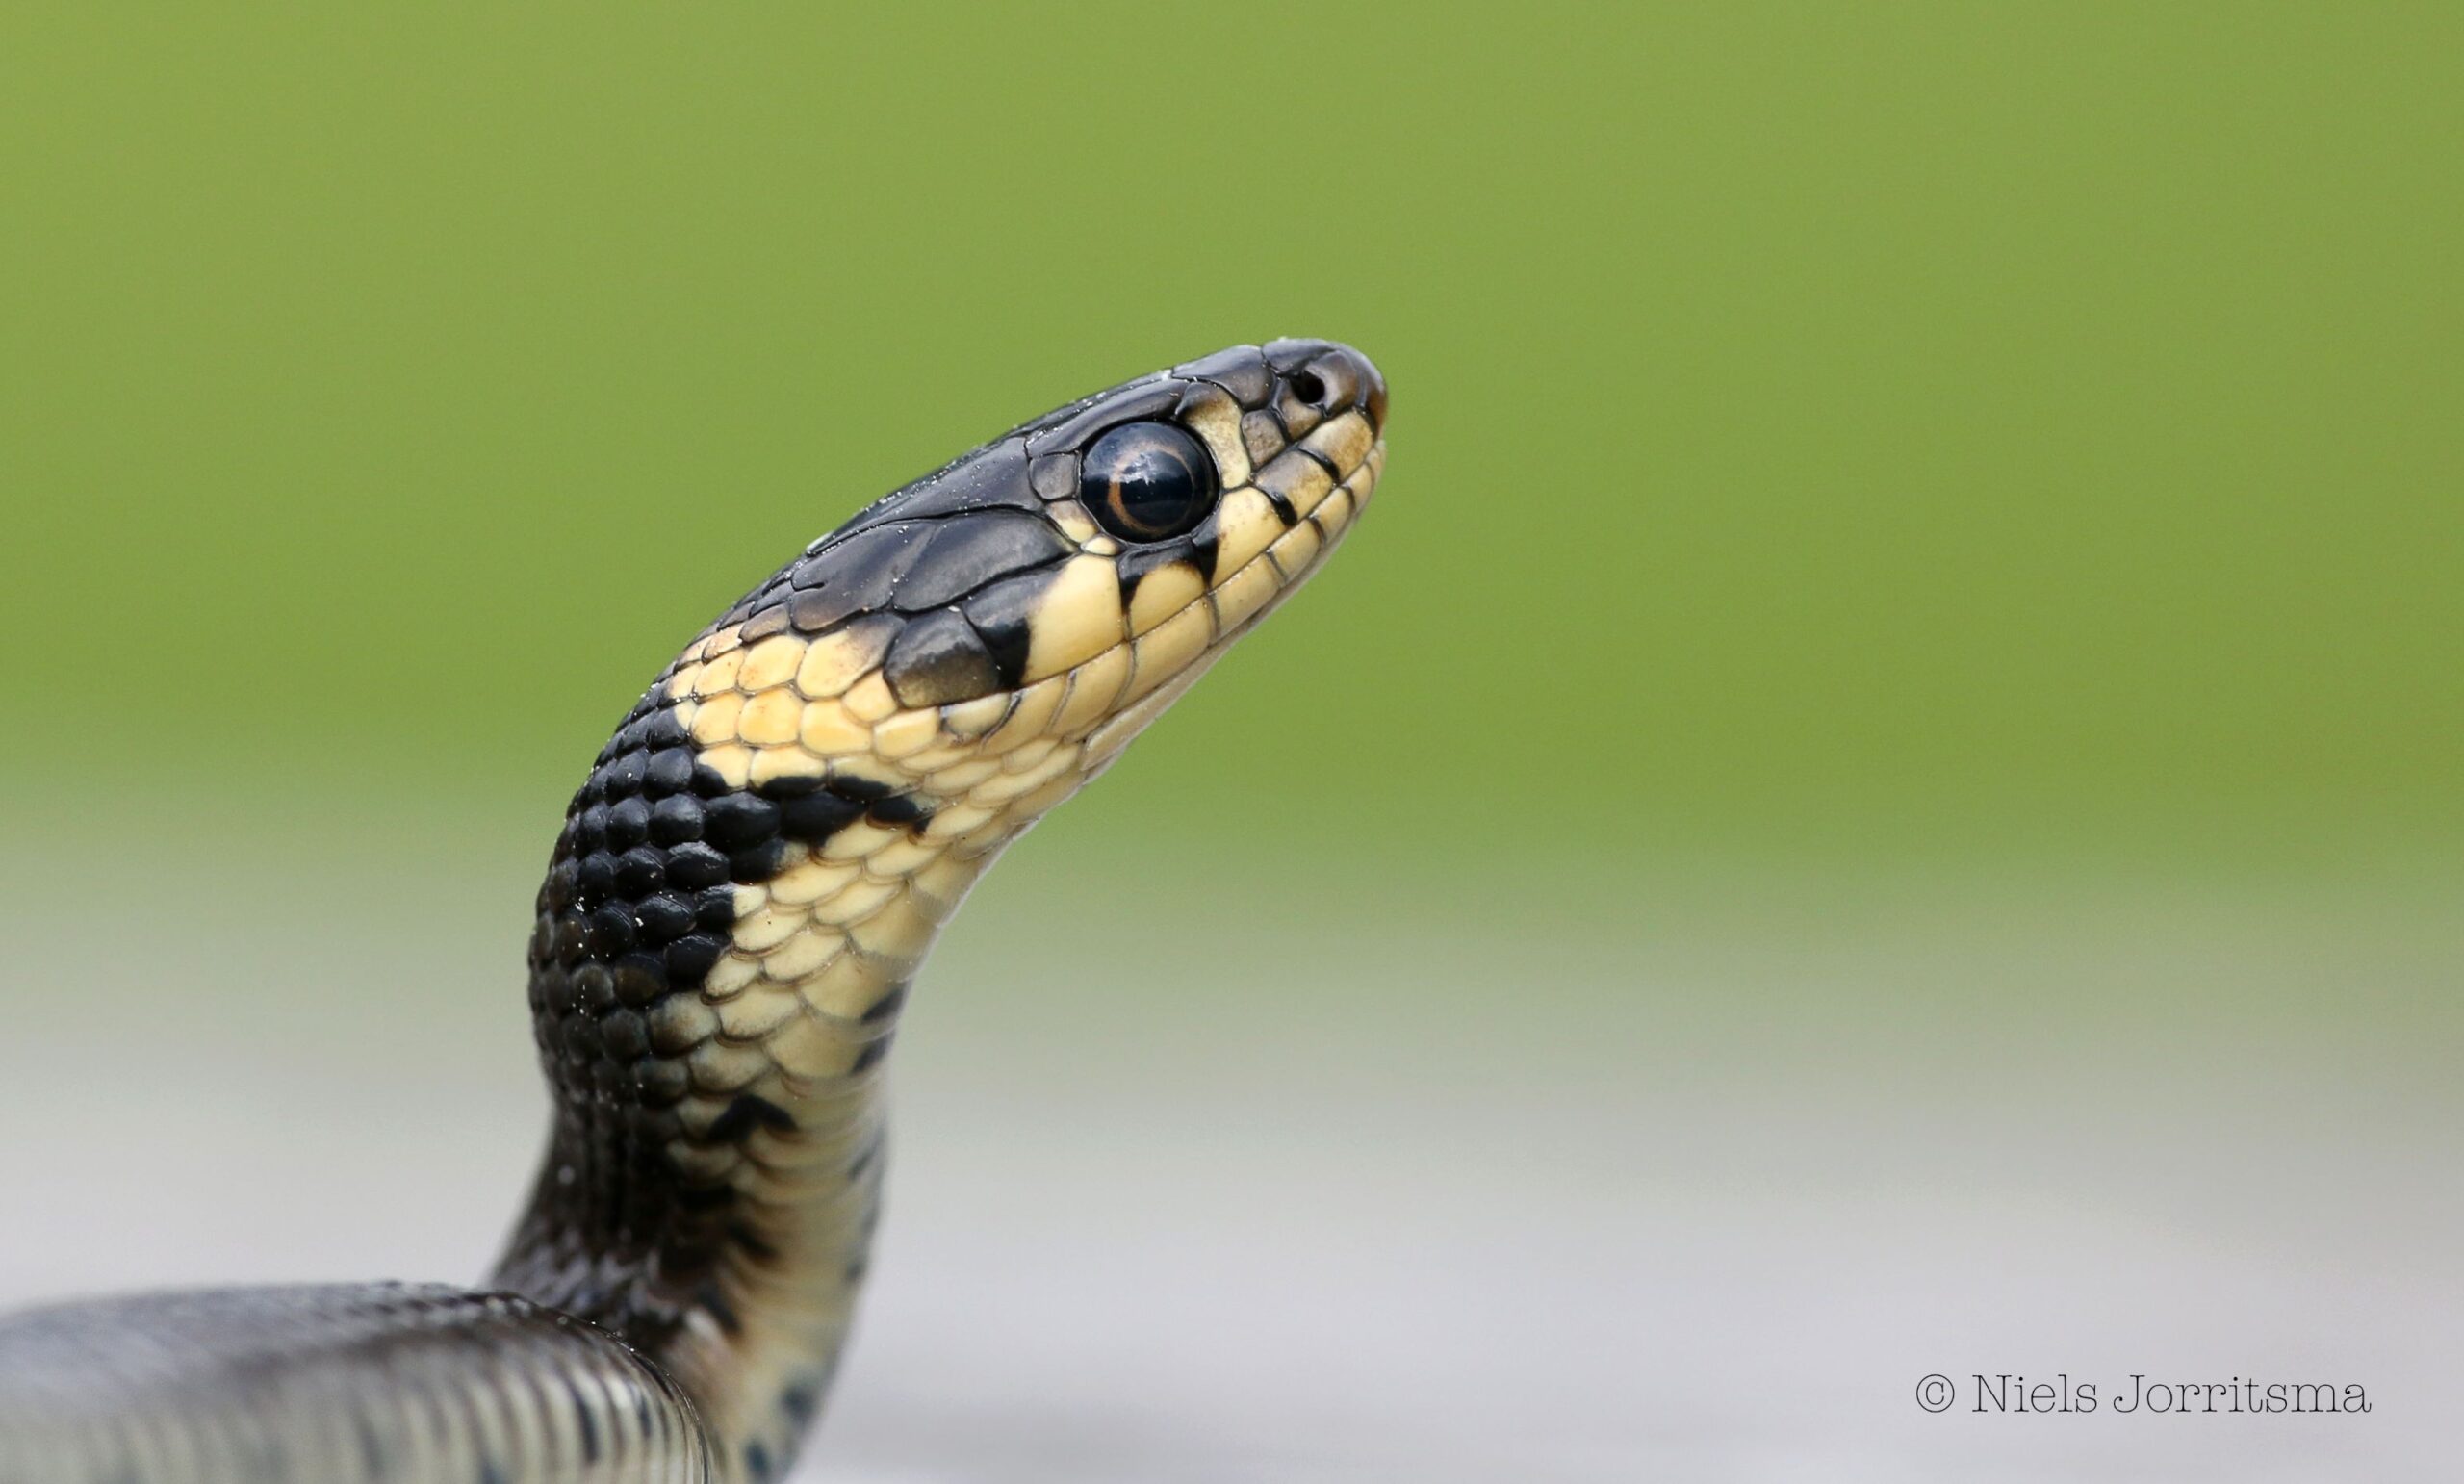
1147 481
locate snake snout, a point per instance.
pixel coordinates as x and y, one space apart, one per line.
1331 377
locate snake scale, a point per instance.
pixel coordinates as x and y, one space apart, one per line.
742 892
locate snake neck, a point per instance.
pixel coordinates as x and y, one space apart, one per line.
742 1292
713 1026
725 1235
737 1278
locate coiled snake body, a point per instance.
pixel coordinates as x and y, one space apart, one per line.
742 891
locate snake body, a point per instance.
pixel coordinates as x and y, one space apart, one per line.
742 892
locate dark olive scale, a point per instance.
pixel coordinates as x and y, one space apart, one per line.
733 821
688 960
663 1083
963 556
611 931
671 1034
595 875
639 979
676 820
662 919
625 775
1153 396
696 864
640 871
1003 615
991 478
817 816
1205 545
941 659
1054 475
746 1113
623 1035
899 810
758 862
1137 563
628 822
762 625
1241 371
854 575
670 771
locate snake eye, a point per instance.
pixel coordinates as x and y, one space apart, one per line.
1147 481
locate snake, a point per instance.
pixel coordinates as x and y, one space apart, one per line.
742 891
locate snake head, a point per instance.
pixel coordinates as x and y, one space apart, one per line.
1048 594
819 777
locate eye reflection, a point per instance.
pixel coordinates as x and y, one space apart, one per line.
1147 481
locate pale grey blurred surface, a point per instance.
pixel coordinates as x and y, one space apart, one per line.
1207 1169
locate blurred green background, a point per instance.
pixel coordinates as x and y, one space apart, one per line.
1926 426
1879 791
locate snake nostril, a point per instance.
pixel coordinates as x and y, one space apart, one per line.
1309 387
